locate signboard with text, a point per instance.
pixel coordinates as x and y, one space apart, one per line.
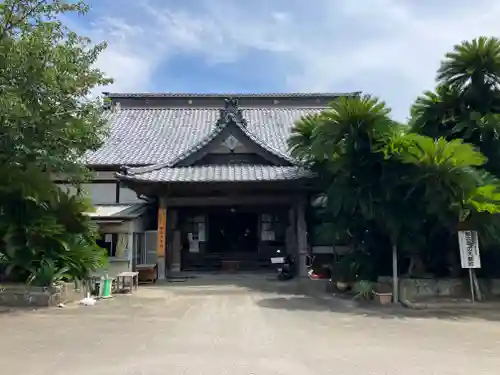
162 232
469 249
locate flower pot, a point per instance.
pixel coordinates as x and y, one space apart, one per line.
383 298
342 286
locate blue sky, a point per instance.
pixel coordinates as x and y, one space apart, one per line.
388 48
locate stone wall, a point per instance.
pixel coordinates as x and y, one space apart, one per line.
20 295
411 289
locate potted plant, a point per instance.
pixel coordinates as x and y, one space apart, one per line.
383 294
363 289
348 271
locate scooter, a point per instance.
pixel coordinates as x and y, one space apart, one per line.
285 266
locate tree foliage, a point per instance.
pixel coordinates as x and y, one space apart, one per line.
408 184
48 122
46 76
466 102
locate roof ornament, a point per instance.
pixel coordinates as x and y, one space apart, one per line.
123 170
231 113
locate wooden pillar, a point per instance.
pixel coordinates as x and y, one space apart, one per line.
302 249
162 238
174 241
291 238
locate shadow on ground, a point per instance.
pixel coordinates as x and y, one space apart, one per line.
383 312
298 295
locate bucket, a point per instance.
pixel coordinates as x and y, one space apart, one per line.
105 287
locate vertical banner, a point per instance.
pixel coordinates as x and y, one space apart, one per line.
162 232
469 249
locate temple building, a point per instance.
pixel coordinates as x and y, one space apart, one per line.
202 181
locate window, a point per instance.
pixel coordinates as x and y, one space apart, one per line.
273 228
108 241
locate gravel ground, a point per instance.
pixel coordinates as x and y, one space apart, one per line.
242 325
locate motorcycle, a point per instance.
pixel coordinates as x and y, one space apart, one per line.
285 266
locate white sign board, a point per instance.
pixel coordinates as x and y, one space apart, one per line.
469 249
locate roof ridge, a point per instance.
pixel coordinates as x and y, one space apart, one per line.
227 95
124 109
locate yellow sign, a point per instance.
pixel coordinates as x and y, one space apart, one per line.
162 232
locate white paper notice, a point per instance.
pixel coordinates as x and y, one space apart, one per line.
201 232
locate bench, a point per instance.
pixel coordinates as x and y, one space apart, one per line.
127 280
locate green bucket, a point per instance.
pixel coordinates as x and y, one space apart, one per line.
105 287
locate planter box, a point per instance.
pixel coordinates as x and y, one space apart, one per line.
383 298
21 295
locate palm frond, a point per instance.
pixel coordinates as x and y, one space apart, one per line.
472 62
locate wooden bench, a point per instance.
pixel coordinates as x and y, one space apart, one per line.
148 273
128 280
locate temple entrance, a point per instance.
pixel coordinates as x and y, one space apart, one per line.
232 232
223 239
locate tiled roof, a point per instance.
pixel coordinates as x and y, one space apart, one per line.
222 173
152 136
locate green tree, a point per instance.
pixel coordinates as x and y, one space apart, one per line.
380 180
466 103
48 122
46 76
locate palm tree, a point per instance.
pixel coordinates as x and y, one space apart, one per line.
466 103
301 139
389 180
348 140
472 65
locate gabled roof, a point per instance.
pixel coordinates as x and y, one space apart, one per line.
145 136
158 136
230 121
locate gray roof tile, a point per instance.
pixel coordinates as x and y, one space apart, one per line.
153 136
222 173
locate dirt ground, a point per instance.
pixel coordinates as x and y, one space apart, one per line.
246 325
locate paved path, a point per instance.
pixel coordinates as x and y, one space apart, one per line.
239 327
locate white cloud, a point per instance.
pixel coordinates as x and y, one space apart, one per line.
391 48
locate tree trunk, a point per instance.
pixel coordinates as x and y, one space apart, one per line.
395 280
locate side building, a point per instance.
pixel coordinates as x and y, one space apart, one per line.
202 181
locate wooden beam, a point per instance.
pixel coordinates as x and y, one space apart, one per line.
162 238
228 201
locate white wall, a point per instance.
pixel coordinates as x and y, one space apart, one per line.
101 193
128 196
105 193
